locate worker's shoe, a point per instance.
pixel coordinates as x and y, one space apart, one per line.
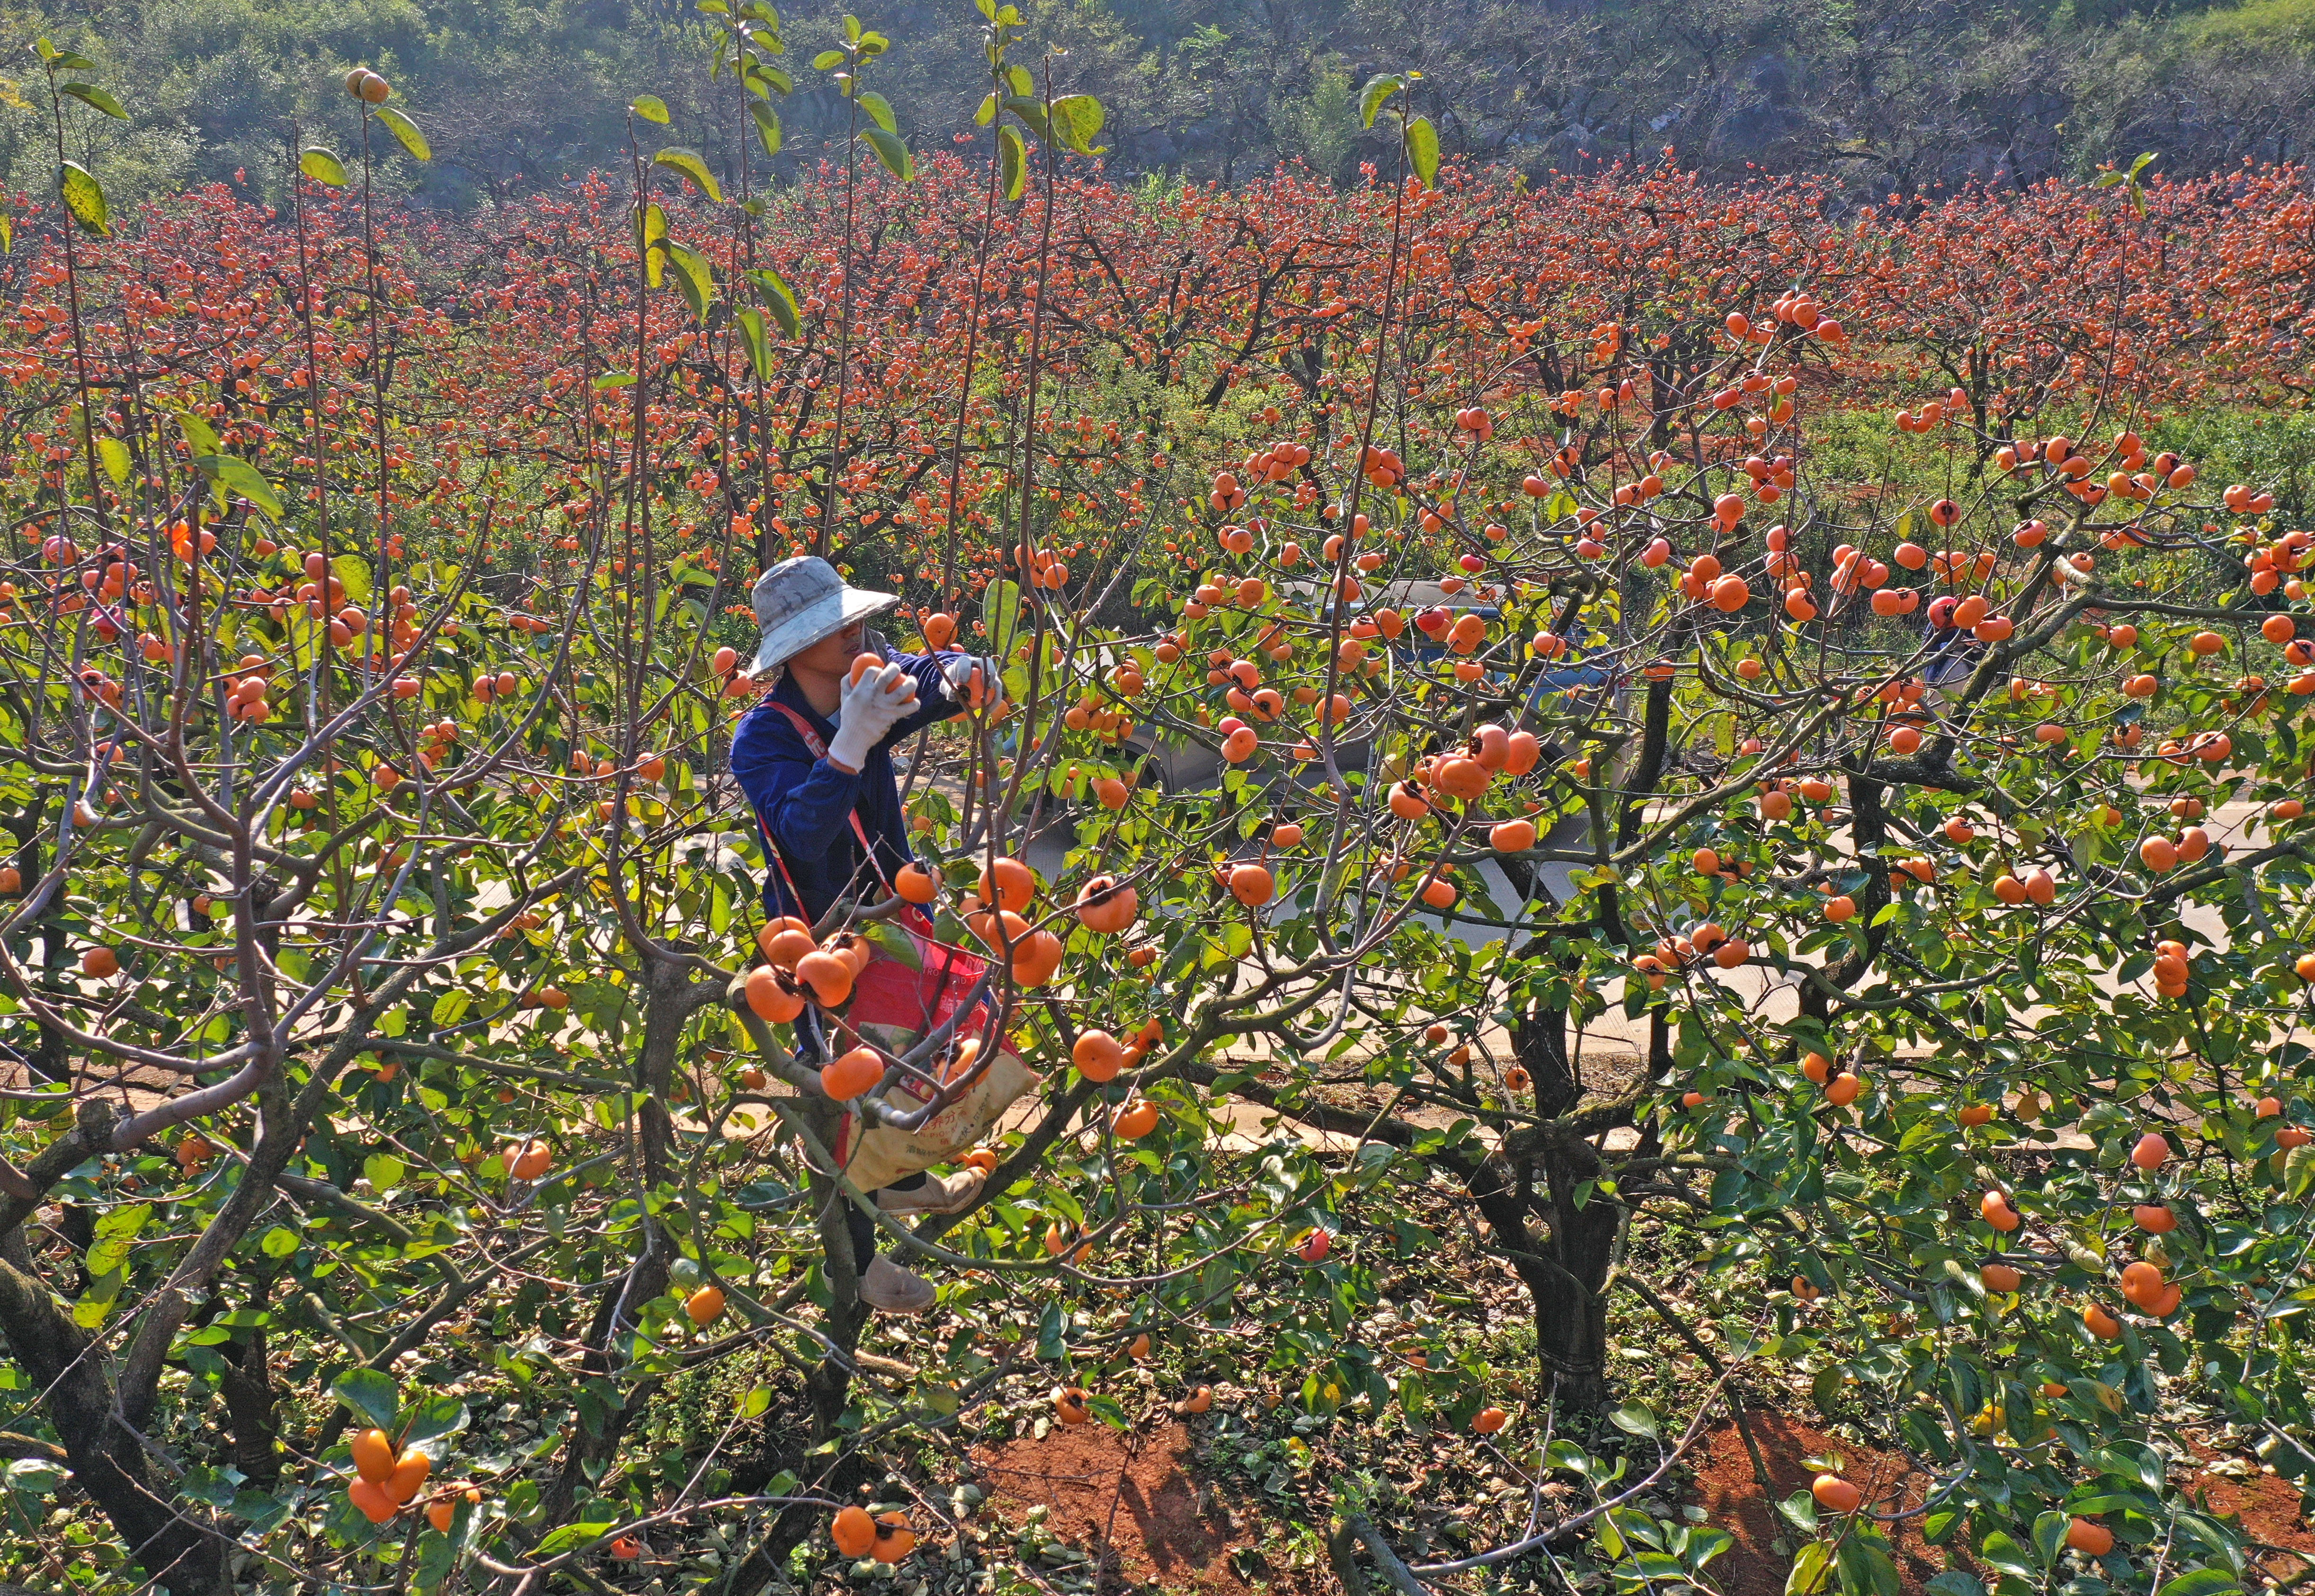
940 1194
889 1289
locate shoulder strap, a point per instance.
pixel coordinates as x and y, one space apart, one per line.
818 751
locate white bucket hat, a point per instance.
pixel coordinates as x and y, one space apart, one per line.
800 601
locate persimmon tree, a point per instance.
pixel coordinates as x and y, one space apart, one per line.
1576 642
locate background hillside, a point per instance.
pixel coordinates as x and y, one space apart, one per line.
1883 95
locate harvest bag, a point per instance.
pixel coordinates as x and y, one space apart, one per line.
894 1006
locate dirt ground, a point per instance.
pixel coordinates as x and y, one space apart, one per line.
1138 1505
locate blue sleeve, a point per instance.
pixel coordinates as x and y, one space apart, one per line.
933 702
806 803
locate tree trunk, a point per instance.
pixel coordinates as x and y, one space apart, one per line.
829 1384
1571 1319
108 1462
593 1446
247 1386
1565 1269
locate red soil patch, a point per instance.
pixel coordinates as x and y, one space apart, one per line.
1135 1504
1724 1488
2269 1510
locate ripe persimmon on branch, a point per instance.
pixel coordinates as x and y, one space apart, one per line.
1674 740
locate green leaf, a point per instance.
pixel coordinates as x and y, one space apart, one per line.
1423 150
571 1537
777 299
1108 1410
1809 1570
34 1477
90 94
115 1235
1866 1569
1076 118
829 58
103 1290
688 163
321 166
280 1242
767 126
986 110
895 944
654 222
612 379
2050 1534
84 198
1379 88
115 456
759 351
1634 1419
440 1414
370 1394
352 572
892 152
1000 616
1031 112
2008 1557
406 130
236 475
1952 1582
1012 160
694 276
7 237
757 1402
880 111
650 108
2202 1581
199 435
383 1171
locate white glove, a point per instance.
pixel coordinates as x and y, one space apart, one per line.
958 672
870 708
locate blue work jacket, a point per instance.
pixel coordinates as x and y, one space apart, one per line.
805 804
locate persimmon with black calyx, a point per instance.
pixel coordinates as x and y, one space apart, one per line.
894 1539
1106 906
828 977
771 994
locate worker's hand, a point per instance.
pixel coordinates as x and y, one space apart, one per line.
870 707
977 680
